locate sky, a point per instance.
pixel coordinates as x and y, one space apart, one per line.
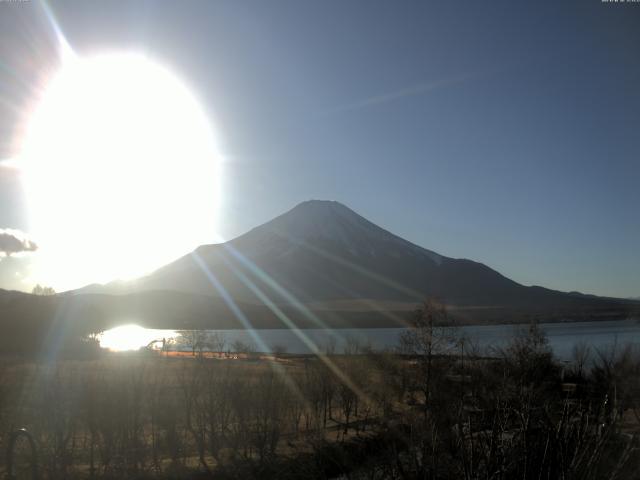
506 132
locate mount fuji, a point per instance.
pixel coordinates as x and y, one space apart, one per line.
324 258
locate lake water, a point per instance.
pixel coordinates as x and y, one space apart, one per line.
562 337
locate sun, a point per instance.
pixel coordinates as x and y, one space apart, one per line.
121 171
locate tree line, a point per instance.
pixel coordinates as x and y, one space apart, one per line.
435 408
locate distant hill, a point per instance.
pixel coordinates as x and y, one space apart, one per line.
323 257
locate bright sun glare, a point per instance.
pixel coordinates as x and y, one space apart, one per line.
120 171
132 337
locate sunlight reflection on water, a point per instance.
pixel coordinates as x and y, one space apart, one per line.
133 337
562 337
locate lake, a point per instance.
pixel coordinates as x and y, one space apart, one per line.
562 337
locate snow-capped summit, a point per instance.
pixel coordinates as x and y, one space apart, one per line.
332 225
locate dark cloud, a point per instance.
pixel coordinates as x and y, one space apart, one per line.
14 241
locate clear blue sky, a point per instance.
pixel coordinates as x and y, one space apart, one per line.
507 132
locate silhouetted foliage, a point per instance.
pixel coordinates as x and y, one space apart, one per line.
43 290
436 409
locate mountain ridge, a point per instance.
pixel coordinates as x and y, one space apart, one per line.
323 253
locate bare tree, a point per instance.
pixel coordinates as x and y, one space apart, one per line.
581 354
195 340
429 336
217 341
241 346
